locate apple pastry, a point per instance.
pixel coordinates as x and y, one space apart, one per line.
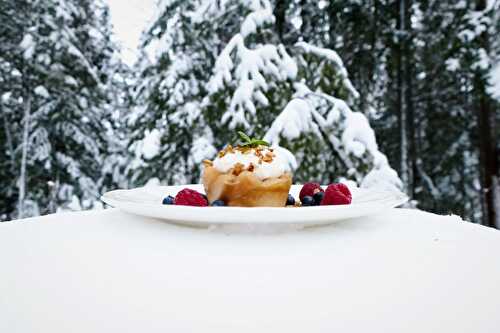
249 175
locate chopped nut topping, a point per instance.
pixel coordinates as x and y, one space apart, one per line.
268 158
251 167
238 168
244 150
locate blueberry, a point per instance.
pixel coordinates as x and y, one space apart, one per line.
218 203
308 201
290 201
168 200
318 196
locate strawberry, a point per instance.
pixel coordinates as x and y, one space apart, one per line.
337 194
189 197
309 189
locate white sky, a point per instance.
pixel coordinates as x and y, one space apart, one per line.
129 18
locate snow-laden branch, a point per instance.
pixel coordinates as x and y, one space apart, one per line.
332 57
262 13
301 117
428 180
252 67
295 119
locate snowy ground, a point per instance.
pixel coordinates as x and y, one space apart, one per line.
105 271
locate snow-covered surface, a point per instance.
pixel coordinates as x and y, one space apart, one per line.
105 271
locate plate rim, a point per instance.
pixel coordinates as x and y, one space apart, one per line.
394 199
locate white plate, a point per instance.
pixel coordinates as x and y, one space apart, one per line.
147 201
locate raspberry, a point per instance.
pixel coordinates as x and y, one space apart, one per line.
337 194
309 189
189 197
344 189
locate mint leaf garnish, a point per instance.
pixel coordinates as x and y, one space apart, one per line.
251 142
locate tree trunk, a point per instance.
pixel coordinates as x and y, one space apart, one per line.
8 136
333 9
410 110
305 15
487 139
22 177
280 15
488 158
400 105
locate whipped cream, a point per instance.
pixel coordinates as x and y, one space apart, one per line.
275 168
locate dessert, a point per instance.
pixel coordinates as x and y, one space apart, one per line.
251 174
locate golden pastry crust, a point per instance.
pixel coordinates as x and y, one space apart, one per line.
244 189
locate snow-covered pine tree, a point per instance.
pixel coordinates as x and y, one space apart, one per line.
119 84
171 136
61 55
252 76
116 158
10 106
436 76
413 61
445 163
482 18
299 97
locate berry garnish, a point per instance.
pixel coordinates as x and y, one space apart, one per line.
290 201
218 203
308 201
344 189
169 200
337 194
318 196
189 197
309 189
